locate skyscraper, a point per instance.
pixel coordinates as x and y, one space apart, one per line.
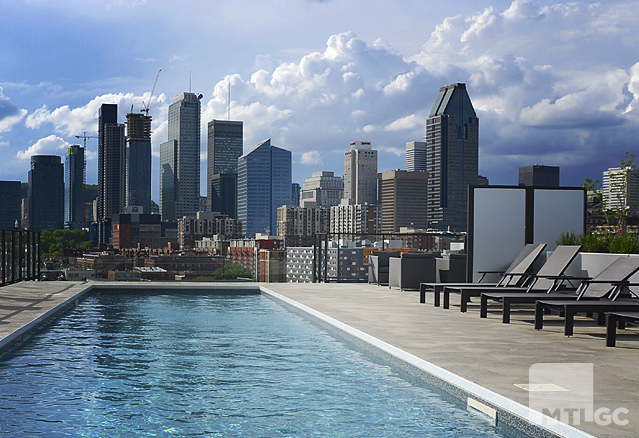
168 163
416 154
10 204
452 142
74 180
46 193
539 175
402 200
360 173
180 159
225 145
138 161
263 185
620 189
322 189
111 168
224 194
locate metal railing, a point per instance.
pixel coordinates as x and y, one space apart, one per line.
333 261
20 256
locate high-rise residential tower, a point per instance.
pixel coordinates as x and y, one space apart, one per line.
111 168
225 145
452 142
263 185
46 193
539 175
180 159
138 161
416 154
74 180
620 189
360 174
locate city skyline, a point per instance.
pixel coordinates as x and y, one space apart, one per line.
543 80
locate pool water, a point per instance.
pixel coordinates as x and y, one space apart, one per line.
123 365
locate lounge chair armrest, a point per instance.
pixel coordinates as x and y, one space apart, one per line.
491 272
613 282
565 277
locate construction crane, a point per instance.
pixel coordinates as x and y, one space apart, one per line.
85 136
147 105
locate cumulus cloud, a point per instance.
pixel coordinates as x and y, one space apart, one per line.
541 76
312 158
9 113
69 121
51 145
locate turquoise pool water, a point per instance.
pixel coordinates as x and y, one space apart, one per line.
123 365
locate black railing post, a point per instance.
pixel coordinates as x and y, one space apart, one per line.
20 254
4 257
38 255
13 256
27 255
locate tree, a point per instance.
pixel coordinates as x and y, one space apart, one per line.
232 272
51 242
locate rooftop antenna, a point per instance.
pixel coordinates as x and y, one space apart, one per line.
229 103
189 81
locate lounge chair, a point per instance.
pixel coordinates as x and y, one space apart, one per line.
598 295
549 279
520 276
614 319
511 275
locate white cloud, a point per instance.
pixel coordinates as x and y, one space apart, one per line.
479 23
312 158
9 113
542 77
406 123
70 122
51 145
7 122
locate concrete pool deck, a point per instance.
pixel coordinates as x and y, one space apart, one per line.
484 351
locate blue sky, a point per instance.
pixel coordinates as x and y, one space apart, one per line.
553 83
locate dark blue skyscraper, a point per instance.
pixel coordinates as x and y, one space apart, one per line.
10 204
74 179
225 145
111 169
452 145
46 193
138 161
263 185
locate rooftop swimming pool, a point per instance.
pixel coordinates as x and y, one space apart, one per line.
223 364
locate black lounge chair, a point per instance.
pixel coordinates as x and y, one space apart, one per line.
549 279
614 319
511 276
519 276
598 295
